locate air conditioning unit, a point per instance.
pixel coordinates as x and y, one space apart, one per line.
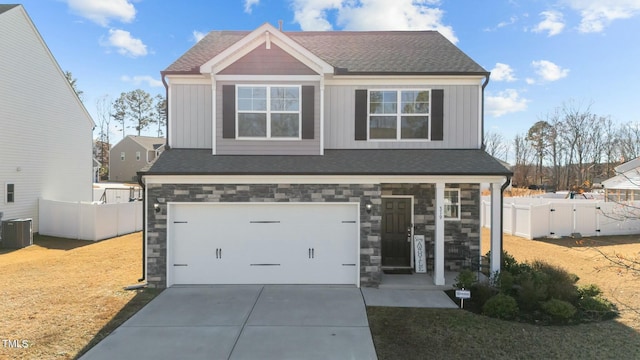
17 233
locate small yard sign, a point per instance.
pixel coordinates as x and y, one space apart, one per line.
420 254
463 294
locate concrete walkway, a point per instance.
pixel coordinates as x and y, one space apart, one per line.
245 322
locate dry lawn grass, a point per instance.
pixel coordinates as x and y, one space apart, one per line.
59 294
584 257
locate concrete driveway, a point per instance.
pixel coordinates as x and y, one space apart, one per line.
245 322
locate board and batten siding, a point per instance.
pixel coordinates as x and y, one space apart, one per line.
461 123
46 134
190 116
268 147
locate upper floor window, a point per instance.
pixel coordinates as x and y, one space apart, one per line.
10 193
137 155
399 114
268 112
122 156
452 204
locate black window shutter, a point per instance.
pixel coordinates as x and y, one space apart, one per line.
437 114
361 115
308 111
228 111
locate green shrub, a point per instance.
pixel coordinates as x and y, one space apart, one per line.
589 290
506 283
465 279
596 308
480 293
560 284
561 311
501 306
532 289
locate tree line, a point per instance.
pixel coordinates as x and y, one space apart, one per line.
568 148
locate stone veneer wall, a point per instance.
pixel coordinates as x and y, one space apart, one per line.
370 259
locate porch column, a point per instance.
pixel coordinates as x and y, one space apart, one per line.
438 256
496 227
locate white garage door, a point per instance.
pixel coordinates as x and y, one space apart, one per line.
275 243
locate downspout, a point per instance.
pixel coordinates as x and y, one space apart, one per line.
502 189
484 85
144 228
166 98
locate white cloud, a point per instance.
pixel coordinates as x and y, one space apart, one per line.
549 71
553 23
249 4
597 14
372 15
126 44
502 72
505 102
197 35
512 20
139 79
102 11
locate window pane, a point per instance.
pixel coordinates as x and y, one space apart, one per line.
383 102
252 125
284 125
252 98
382 127
415 102
285 99
415 127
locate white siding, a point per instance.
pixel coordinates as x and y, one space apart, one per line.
190 117
46 134
461 123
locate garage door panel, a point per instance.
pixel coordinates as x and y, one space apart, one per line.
244 243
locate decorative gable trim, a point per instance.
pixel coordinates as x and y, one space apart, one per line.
265 34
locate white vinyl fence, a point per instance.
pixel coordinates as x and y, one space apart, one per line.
89 221
538 217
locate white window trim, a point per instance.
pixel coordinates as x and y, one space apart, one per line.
458 204
268 137
398 116
138 156
122 156
6 192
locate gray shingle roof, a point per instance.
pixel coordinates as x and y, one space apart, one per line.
354 52
7 7
333 162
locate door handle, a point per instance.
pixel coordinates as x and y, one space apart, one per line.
312 253
218 253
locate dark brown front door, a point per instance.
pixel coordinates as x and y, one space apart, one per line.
396 224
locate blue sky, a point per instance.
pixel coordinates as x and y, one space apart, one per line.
542 53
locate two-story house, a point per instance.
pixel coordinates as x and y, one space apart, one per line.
132 154
318 158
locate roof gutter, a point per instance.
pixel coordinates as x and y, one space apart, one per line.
166 97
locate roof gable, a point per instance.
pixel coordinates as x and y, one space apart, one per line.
347 52
265 34
265 60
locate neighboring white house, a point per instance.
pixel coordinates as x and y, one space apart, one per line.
46 132
626 184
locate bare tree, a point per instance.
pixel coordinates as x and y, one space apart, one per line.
103 108
495 145
522 153
629 141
